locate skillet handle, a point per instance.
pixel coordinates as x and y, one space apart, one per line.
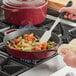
9 31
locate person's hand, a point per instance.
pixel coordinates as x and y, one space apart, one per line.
69 58
70 12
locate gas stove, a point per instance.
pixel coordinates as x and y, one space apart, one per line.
11 66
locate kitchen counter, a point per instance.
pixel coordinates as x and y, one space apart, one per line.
47 68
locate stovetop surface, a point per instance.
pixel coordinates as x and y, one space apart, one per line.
11 66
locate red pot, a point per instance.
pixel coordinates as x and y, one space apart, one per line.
25 15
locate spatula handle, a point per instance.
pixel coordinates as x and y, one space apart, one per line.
61 15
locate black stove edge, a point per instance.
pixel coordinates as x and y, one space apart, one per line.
44 60
23 69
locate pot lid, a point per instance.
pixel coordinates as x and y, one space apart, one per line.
24 3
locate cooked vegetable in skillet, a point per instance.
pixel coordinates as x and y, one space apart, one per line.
30 42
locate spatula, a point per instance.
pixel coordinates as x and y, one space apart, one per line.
45 37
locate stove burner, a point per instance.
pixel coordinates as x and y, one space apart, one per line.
27 27
30 61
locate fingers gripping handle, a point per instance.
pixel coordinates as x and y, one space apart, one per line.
61 15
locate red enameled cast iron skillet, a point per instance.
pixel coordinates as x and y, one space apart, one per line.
30 55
